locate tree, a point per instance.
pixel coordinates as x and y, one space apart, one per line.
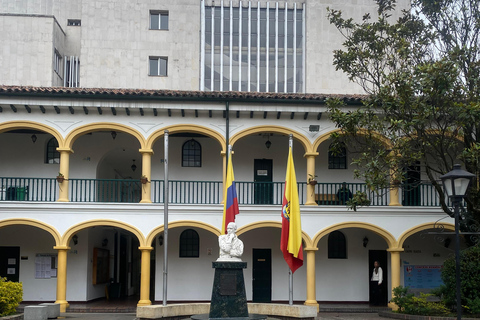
421 75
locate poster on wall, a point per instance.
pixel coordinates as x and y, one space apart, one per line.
45 266
422 277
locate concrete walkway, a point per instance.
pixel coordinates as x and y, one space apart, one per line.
98 316
131 316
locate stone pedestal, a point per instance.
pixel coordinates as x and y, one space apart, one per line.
229 299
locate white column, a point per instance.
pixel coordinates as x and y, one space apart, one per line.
202 45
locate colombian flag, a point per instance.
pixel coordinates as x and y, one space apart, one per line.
230 207
291 241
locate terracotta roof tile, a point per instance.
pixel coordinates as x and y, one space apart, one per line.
189 95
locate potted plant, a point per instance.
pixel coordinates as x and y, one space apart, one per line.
60 177
312 180
144 179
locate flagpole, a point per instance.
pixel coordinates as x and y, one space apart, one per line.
165 220
290 274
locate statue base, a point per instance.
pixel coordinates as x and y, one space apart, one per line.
229 299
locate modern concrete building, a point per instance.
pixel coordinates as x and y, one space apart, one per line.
88 88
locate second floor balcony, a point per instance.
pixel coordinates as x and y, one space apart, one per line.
204 192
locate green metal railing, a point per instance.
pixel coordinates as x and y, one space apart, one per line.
105 190
204 192
188 192
28 189
340 193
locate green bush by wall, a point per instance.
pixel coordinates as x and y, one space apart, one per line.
11 294
469 280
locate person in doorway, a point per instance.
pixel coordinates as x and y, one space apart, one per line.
344 194
376 283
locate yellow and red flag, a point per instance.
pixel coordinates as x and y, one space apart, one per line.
230 207
291 241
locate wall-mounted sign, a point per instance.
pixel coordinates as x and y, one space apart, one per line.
422 277
262 172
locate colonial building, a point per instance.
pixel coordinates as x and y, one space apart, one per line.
88 90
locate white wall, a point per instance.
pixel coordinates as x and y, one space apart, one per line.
37 242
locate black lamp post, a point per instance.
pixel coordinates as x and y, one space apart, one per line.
455 184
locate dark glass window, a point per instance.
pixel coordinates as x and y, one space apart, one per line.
189 244
337 245
191 154
337 159
52 155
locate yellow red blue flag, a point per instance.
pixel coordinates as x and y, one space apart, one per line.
230 207
291 240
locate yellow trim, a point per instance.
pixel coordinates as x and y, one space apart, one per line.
145 277
102 222
34 223
421 227
307 145
186 128
387 236
324 137
102 126
182 223
271 224
14 125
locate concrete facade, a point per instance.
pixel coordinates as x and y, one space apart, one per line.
103 229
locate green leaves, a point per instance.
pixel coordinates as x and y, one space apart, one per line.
11 294
422 74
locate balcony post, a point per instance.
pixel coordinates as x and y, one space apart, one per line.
147 171
311 285
62 277
64 169
394 192
145 277
395 268
310 173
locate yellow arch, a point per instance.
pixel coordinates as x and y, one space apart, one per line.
182 223
387 236
271 224
421 227
324 137
187 128
102 126
34 223
13 125
307 145
102 222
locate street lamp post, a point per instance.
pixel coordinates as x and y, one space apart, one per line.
455 184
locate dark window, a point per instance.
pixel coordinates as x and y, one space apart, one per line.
191 154
74 22
189 244
337 158
158 20
337 245
52 156
158 66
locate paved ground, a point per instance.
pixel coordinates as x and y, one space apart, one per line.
349 316
131 316
98 316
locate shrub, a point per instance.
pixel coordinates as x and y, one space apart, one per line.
409 304
469 279
11 294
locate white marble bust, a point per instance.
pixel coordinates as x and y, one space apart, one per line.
231 248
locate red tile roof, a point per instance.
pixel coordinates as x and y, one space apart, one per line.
176 94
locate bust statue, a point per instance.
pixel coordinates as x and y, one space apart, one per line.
231 248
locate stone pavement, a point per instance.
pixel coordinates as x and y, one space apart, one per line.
98 316
131 316
347 316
